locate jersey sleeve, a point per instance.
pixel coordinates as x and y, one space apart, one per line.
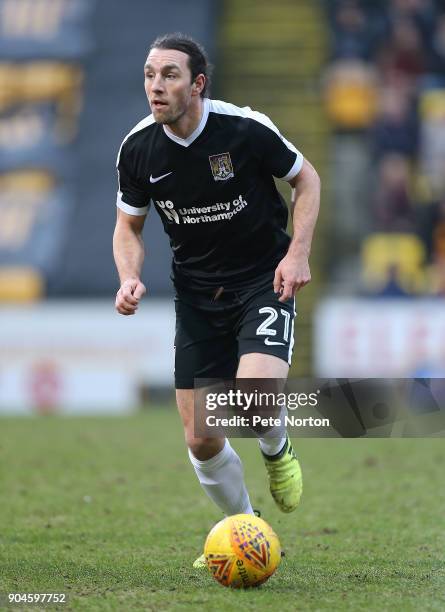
277 155
133 196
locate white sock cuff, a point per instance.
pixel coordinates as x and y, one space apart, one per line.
214 462
272 446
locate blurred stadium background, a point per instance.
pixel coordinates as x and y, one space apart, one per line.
358 86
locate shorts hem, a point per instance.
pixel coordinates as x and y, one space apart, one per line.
184 384
264 351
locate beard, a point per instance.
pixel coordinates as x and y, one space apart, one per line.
171 114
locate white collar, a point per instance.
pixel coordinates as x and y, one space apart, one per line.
185 142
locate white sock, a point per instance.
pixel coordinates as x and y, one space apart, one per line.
274 440
222 479
271 446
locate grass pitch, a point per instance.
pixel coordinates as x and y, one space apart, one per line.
109 511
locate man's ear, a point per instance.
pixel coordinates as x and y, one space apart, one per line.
199 84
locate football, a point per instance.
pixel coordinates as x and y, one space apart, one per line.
242 551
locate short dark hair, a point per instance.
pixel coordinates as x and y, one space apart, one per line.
197 62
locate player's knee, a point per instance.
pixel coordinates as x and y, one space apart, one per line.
203 448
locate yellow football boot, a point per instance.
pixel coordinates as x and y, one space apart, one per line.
200 562
285 478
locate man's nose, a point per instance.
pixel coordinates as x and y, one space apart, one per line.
157 83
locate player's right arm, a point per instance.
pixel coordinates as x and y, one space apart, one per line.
128 249
133 203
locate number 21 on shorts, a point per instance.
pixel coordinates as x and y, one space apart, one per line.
265 329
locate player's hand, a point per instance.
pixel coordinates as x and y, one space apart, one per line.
128 296
291 275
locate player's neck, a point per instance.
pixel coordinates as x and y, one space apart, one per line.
188 123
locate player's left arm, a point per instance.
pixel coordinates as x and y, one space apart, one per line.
293 271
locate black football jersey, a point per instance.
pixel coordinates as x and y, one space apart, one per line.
214 192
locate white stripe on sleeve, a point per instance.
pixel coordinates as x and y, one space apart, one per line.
131 210
298 164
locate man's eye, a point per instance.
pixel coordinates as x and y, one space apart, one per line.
148 75
171 76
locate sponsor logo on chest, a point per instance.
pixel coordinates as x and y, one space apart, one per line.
221 166
220 211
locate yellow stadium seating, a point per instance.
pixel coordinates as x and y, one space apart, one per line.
393 255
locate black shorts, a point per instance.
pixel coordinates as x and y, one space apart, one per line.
212 334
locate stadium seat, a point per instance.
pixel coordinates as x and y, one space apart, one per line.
395 257
20 284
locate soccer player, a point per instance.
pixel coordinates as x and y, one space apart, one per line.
207 167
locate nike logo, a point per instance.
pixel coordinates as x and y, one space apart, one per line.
271 343
158 178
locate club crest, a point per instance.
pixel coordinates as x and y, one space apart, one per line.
221 166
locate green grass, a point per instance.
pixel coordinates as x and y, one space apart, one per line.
108 510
